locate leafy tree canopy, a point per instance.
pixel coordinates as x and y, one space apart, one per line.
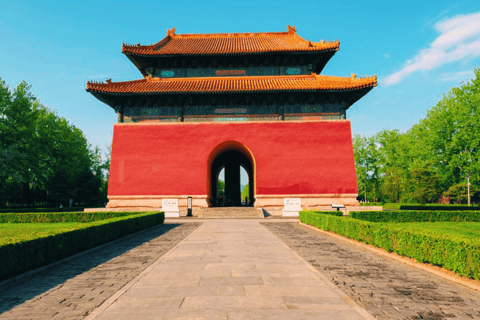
435 154
41 153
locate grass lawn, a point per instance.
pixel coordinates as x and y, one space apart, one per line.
396 206
17 232
387 205
469 230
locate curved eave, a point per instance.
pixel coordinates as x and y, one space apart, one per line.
226 91
136 54
351 89
142 62
232 84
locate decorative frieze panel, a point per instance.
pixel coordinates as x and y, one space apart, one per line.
315 108
270 112
229 72
300 117
211 118
154 119
149 112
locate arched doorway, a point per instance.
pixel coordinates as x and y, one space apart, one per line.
231 158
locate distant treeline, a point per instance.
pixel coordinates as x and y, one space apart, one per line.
432 160
43 158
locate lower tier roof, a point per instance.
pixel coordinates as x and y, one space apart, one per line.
283 83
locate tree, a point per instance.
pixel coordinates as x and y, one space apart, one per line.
221 185
448 138
425 186
221 188
87 187
246 192
391 185
37 148
458 193
10 171
367 165
432 156
58 188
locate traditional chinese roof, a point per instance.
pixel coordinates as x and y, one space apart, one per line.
283 83
229 43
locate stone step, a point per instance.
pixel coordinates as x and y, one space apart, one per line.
231 213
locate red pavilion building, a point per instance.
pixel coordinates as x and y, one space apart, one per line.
212 102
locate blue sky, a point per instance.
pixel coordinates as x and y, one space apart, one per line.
418 49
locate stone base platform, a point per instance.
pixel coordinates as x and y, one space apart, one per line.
122 209
272 204
231 213
278 211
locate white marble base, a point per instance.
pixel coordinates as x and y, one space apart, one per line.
287 213
170 208
291 207
172 214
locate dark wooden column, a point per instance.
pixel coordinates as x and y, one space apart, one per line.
120 114
180 116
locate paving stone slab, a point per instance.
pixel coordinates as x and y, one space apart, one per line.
224 277
292 314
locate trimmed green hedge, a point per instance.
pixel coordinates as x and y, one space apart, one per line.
443 208
333 213
416 216
371 204
453 253
21 210
48 217
19 257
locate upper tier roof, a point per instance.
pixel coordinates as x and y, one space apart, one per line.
311 82
229 43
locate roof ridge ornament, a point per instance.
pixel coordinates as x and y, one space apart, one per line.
171 33
353 76
291 29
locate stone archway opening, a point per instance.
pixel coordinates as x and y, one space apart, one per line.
233 164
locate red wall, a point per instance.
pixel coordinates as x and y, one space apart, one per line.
290 157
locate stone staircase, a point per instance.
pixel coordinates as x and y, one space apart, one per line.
231 213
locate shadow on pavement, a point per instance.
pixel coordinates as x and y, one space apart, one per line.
16 293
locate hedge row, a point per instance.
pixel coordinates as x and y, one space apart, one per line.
17 258
60 216
333 213
416 216
21 210
453 253
443 208
371 204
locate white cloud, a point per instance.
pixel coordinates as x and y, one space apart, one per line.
459 39
457 76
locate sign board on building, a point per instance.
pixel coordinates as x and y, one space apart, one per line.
170 207
291 207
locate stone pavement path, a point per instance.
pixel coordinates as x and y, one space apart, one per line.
230 269
72 289
386 288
